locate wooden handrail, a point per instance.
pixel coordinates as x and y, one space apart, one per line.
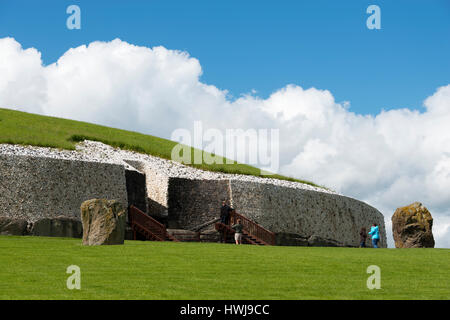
149 224
204 225
253 228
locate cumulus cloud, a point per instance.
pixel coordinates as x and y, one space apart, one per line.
388 160
22 81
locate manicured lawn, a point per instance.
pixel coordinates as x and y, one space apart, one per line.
30 129
35 268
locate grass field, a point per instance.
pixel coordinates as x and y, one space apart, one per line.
35 268
30 129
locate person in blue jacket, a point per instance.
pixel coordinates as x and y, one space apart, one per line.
375 233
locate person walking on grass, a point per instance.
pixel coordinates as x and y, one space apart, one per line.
362 237
238 231
375 233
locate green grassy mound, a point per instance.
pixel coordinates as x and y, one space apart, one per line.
35 268
30 129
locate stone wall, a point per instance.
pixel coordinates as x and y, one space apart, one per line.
293 214
193 202
306 213
33 188
157 189
136 189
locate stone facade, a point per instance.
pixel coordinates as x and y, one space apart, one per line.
290 213
193 202
33 188
57 227
157 189
306 213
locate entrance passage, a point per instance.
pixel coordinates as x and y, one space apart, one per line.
147 227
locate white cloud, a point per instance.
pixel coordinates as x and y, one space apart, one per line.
22 82
388 160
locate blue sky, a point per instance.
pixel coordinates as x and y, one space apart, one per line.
265 45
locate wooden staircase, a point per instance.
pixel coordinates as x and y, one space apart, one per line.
150 229
252 232
147 227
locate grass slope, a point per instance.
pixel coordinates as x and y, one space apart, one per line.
30 129
35 268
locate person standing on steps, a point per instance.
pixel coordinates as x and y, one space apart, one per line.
362 237
225 212
375 233
238 231
224 218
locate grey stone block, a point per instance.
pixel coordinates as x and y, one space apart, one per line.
316 241
14 227
290 239
58 227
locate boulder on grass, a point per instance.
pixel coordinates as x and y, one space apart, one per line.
12 226
103 222
411 227
57 227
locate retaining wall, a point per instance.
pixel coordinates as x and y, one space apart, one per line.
193 202
33 188
306 213
290 213
157 189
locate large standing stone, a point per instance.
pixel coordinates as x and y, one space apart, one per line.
103 222
14 227
58 227
411 227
